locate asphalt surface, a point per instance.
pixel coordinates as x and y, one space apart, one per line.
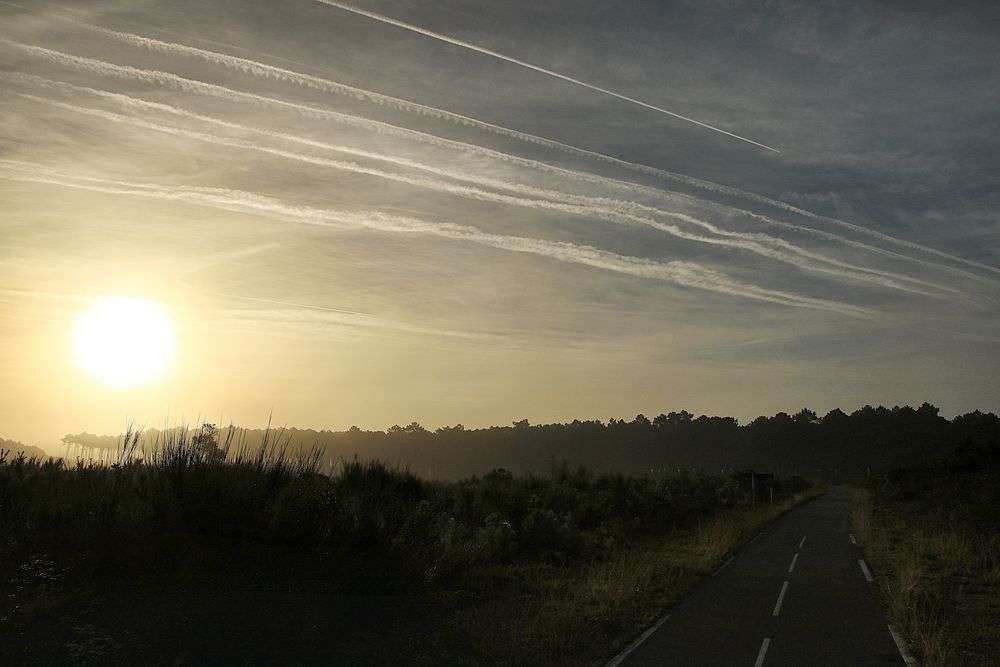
827 614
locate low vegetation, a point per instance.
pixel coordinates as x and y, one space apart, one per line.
932 534
209 551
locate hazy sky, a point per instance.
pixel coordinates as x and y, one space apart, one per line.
350 222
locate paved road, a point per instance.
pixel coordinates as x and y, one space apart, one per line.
761 609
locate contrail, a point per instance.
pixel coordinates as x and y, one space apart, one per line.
599 207
495 54
274 72
551 203
327 309
339 315
266 71
263 70
269 72
686 274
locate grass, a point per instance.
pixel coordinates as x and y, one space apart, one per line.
933 538
202 550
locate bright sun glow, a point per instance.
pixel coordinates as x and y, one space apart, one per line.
124 342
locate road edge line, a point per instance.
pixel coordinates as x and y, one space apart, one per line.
617 660
864 570
904 649
721 567
762 652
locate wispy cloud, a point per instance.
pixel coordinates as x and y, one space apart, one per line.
609 210
304 313
683 273
270 72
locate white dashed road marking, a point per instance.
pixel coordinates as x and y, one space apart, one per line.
762 653
781 598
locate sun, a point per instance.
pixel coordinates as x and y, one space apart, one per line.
124 342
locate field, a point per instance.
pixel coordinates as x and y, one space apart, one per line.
206 552
932 534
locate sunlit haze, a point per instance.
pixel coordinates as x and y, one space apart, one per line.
480 212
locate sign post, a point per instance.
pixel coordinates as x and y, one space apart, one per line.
761 479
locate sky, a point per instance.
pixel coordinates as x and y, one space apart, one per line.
459 211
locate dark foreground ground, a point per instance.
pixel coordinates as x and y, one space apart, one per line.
187 602
199 558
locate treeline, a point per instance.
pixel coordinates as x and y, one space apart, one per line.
15 448
836 446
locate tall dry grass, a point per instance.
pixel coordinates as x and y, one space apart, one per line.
937 581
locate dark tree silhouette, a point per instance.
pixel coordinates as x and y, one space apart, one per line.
205 443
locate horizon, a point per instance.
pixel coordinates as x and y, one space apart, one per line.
377 212
195 425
